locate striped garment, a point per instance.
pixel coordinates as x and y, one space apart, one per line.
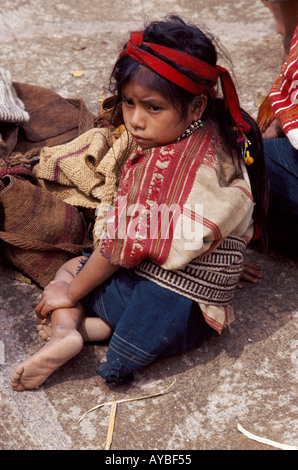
209 280
12 108
284 94
178 209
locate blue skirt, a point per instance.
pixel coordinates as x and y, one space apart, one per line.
148 321
282 167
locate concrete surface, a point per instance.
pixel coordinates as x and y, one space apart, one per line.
248 375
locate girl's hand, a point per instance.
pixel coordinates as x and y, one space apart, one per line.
250 273
55 295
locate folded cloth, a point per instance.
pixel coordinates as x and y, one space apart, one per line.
12 108
53 121
86 171
284 94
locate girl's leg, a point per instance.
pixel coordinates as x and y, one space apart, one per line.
65 343
66 273
65 333
91 329
95 329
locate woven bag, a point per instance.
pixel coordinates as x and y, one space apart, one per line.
39 232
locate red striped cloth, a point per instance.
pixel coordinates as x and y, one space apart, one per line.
175 178
284 94
155 176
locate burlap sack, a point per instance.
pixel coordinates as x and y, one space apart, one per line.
53 121
39 232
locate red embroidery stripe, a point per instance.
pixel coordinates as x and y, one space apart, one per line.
204 221
245 191
57 168
178 187
212 322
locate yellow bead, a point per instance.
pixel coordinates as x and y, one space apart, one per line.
249 160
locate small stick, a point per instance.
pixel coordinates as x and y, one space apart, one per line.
126 400
263 440
111 425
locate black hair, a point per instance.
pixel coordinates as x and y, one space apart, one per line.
175 33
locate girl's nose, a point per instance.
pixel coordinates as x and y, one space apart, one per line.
137 119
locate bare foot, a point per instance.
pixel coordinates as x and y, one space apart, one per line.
44 329
35 370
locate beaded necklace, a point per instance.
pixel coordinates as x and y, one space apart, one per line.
190 130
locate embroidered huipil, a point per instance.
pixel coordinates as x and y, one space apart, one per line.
283 93
182 218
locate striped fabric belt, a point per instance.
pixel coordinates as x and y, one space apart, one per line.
211 279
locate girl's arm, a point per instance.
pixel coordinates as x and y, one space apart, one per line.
62 294
95 272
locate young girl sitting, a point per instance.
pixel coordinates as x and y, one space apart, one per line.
161 281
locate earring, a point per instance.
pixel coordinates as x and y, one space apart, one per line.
190 130
245 143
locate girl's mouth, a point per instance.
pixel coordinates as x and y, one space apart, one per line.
137 137
139 140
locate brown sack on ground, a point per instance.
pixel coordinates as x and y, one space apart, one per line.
53 121
39 232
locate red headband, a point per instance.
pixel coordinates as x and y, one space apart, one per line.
199 68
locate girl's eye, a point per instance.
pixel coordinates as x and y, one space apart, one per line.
127 101
154 108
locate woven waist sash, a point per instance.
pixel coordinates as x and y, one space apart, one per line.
211 279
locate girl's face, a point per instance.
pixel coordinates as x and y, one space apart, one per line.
151 119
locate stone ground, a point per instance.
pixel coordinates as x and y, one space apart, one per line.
248 375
